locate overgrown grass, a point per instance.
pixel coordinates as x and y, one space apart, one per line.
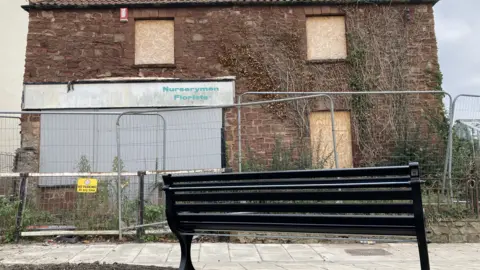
154 213
286 156
420 148
8 215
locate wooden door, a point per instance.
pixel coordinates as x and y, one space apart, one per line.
322 139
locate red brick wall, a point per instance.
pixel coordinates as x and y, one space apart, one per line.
66 45
56 199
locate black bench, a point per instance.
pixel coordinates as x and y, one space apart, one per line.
366 201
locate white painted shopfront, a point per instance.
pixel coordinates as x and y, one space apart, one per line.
193 136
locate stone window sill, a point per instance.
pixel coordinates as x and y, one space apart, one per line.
327 61
156 66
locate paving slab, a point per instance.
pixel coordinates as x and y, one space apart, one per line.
60 255
243 253
126 253
210 256
214 253
302 266
223 266
25 255
153 254
261 266
241 246
93 253
274 253
175 253
303 253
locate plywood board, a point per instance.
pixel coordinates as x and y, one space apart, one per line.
154 42
326 38
322 139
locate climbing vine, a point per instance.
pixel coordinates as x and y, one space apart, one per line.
383 48
276 62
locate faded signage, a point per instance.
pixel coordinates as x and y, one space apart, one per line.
129 95
191 93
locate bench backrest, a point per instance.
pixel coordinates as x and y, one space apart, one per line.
376 201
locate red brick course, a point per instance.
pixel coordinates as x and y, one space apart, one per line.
65 45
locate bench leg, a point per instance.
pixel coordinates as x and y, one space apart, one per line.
423 250
186 248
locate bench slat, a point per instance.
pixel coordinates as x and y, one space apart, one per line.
370 195
299 208
261 186
291 181
354 172
375 201
293 220
299 228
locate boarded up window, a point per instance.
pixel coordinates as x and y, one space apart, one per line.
326 39
322 139
154 42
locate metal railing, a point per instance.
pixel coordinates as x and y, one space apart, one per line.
127 186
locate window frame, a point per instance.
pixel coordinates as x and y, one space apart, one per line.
159 65
313 61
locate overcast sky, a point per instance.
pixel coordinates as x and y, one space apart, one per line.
13 33
457 24
457 29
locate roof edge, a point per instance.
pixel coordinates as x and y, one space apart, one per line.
202 4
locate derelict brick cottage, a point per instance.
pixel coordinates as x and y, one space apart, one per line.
104 55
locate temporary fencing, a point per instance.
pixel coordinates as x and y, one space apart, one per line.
127 152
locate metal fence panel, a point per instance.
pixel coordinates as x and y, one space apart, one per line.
61 205
9 141
67 144
193 141
369 129
57 147
464 157
372 128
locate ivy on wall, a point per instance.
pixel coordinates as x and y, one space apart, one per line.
384 47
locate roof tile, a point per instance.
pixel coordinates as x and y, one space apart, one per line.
73 3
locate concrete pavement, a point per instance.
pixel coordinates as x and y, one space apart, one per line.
222 256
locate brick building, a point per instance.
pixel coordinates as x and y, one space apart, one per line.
169 53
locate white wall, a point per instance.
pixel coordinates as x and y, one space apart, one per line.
13 36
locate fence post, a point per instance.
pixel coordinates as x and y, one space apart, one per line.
473 196
117 131
141 204
239 132
223 148
21 205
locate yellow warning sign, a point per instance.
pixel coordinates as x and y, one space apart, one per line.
87 185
